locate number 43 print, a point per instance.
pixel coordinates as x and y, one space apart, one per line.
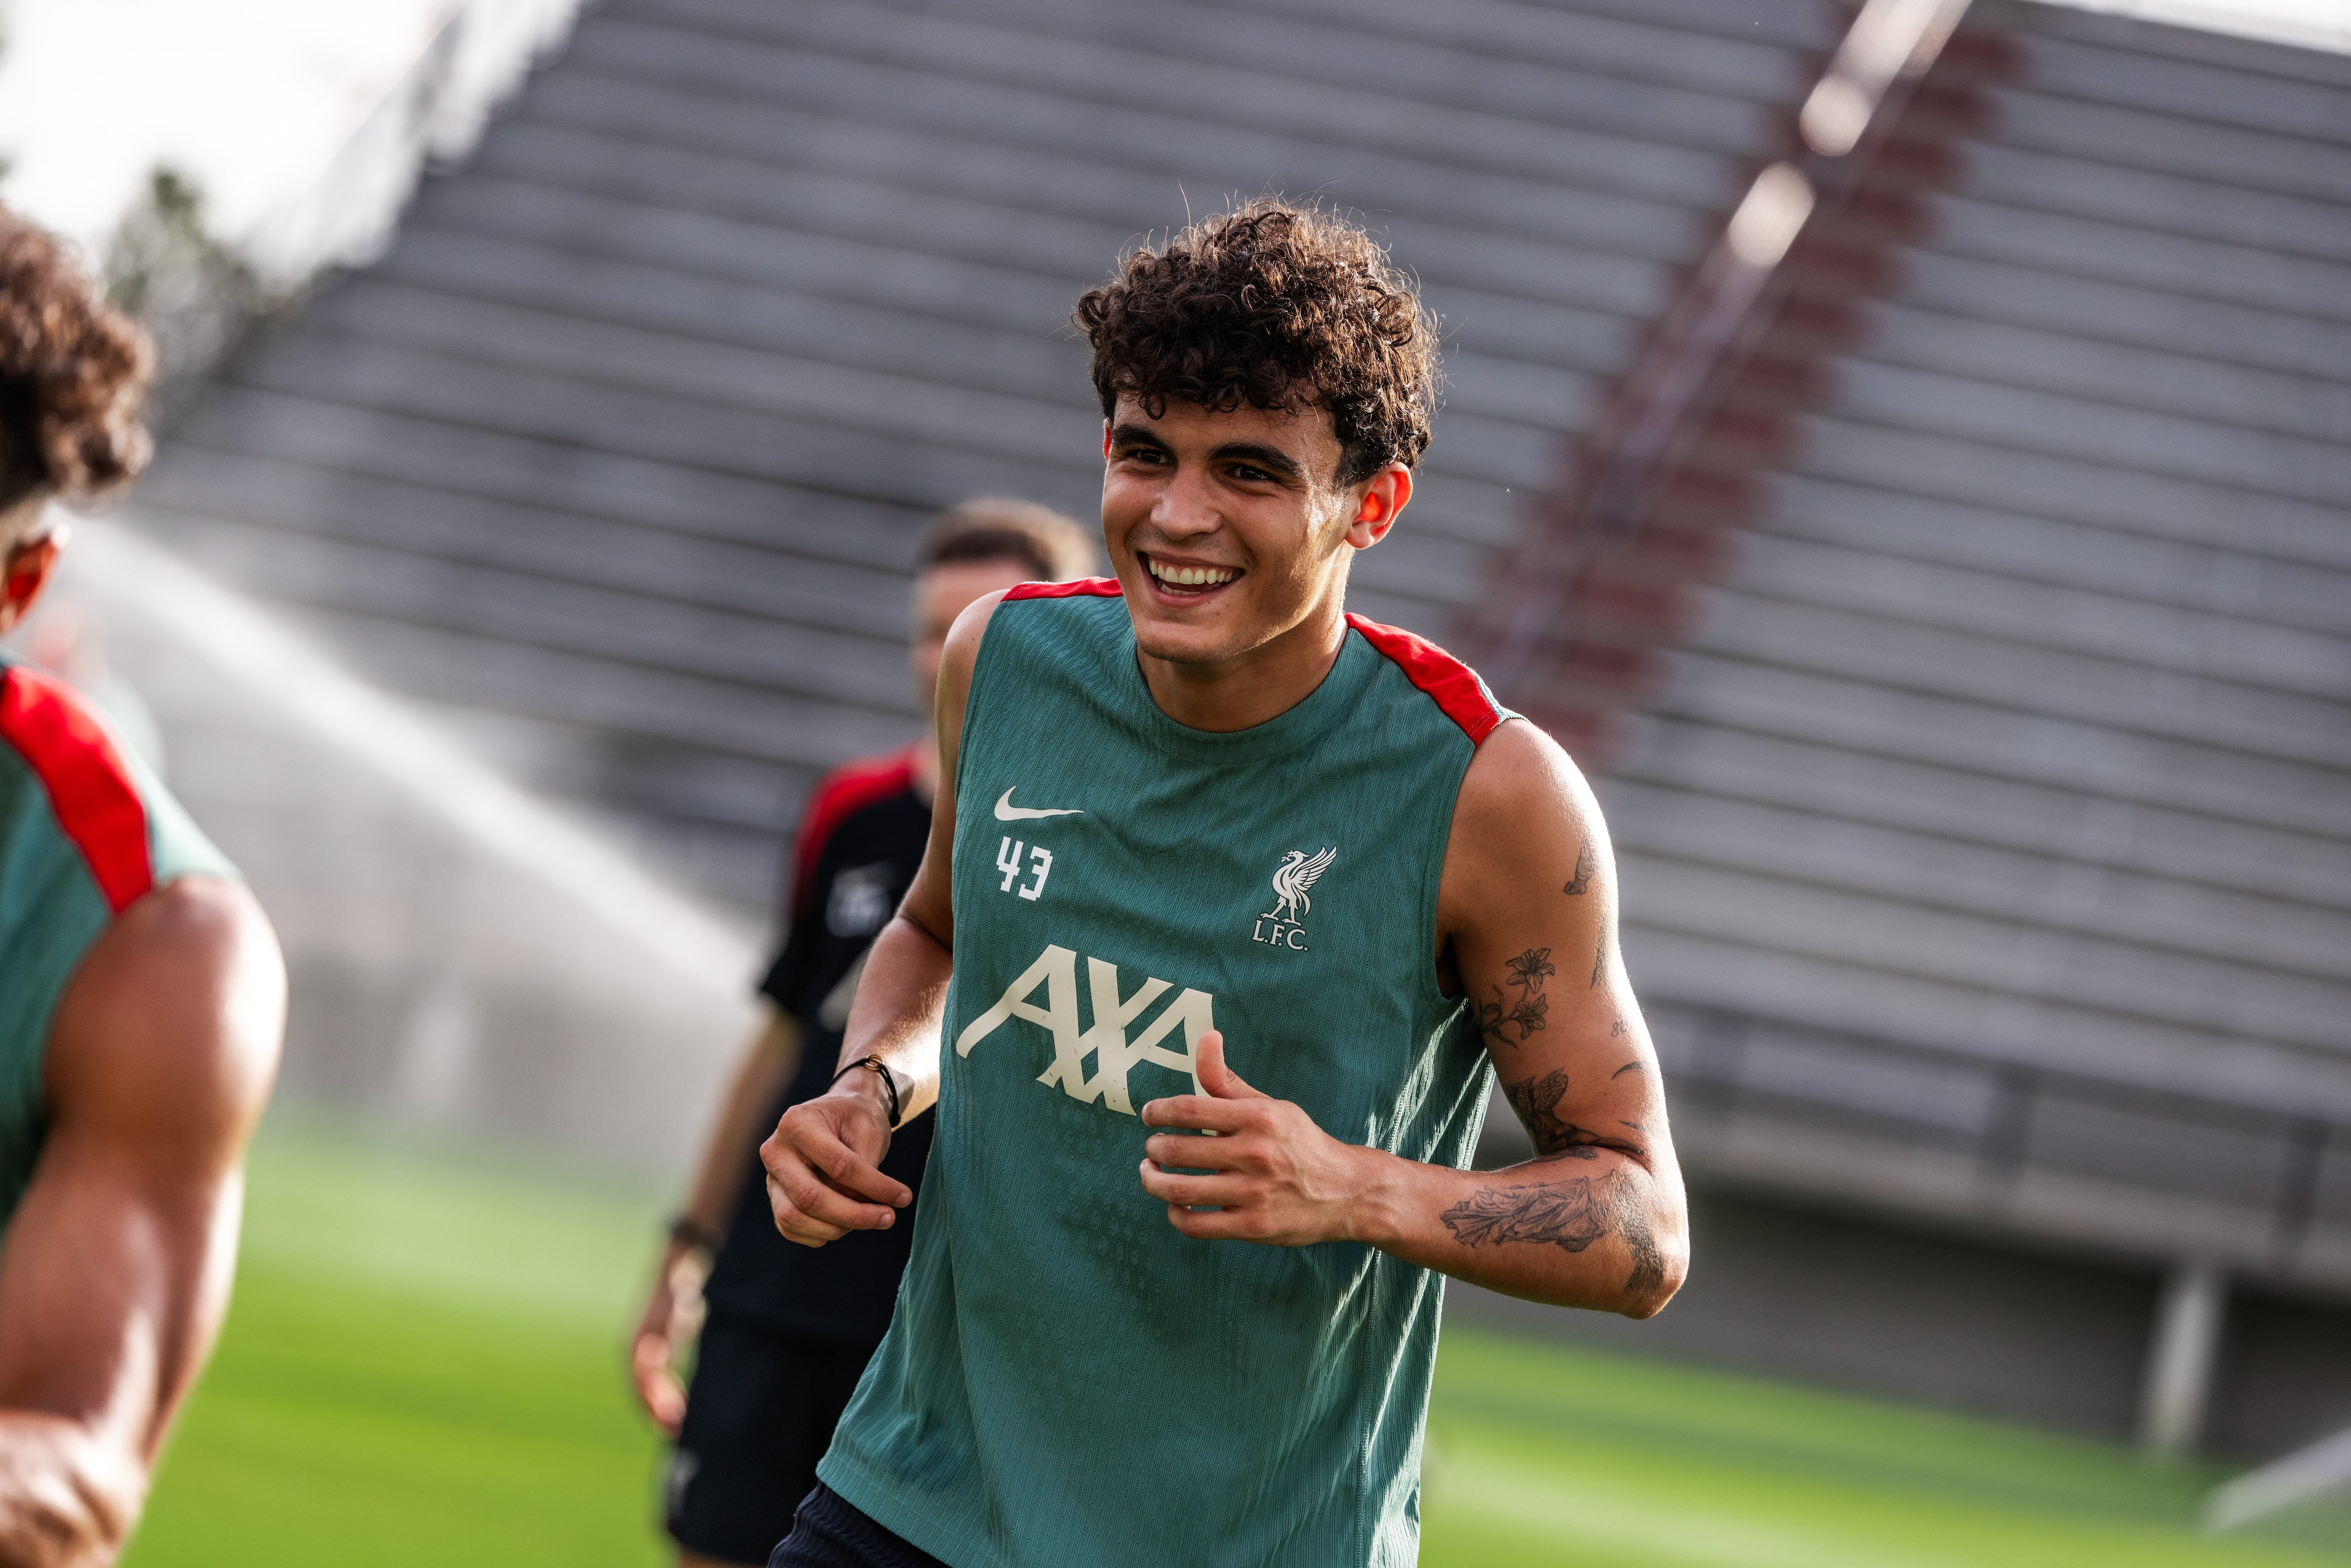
1008 861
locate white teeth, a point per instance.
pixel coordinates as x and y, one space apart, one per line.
1193 576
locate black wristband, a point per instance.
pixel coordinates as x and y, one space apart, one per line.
692 1233
881 1071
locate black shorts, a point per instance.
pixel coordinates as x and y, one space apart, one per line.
833 1532
759 1415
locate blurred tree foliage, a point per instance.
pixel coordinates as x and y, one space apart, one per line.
194 293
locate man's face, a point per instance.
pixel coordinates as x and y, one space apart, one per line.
943 593
1229 529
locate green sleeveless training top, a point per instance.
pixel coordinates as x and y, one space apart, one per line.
1066 1380
86 830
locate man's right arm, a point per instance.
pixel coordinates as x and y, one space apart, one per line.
116 1268
824 1176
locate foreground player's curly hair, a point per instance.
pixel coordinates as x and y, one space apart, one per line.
73 374
1280 307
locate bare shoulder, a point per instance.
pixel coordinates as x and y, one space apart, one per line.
963 636
173 1019
1521 790
955 666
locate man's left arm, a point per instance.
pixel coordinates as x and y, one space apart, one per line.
1528 916
116 1264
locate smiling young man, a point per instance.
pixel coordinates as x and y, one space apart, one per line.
1218 858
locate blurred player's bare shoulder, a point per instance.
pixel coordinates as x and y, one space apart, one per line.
171 1024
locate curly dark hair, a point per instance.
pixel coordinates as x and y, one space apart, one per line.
74 373
1281 307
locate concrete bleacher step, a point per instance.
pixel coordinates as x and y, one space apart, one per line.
2154 634
1853 714
1847 443
2207 331
468 530
2063 554
250 430
1979 808
2040 891
2160 381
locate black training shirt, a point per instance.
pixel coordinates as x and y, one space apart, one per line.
861 838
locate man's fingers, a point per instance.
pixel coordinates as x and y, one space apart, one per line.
809 1207
657 1387
1223 1191
1217 1078
853 1174
1193 1153
820 1187
1216 1225
1200 1111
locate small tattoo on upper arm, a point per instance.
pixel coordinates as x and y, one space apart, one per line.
1599 960
1616 1029
1527 972
1583 877
1628 1067
1536 1101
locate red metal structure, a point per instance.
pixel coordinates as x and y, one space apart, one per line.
1711 403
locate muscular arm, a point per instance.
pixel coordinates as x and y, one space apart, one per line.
1527 914
824 1177
116 1269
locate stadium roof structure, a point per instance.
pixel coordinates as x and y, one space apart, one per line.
1978 745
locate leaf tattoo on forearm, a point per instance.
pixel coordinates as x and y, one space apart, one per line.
1530 1008
1565 1214
1536 1100
1570 1215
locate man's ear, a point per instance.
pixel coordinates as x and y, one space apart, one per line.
1385 494
1105 440
24 572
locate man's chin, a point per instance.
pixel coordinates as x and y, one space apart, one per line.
1187 640
1187 646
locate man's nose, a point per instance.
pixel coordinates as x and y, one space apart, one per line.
1184 509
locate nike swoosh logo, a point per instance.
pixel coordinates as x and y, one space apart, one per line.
1006 811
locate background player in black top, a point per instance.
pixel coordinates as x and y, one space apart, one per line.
788 1329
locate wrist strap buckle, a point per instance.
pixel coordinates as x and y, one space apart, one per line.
889 1082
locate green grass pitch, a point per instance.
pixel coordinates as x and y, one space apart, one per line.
423 1366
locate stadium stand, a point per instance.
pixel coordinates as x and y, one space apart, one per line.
1984 823
1977 749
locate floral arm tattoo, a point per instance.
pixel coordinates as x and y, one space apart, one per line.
1526 1011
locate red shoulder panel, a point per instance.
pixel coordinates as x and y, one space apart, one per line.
1080 588
1454 685
88 787
839 794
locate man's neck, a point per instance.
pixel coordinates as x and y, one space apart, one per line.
1259 685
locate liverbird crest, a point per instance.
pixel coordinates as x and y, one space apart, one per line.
1298 872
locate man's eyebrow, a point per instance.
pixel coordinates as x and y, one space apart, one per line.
1268 458
1131 435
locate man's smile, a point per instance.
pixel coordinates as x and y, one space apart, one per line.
1191 580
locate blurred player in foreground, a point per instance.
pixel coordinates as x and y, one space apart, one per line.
788 1330
1195 805
141 994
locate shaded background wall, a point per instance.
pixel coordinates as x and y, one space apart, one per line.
1975 734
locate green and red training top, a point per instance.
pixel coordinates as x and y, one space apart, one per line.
86 832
